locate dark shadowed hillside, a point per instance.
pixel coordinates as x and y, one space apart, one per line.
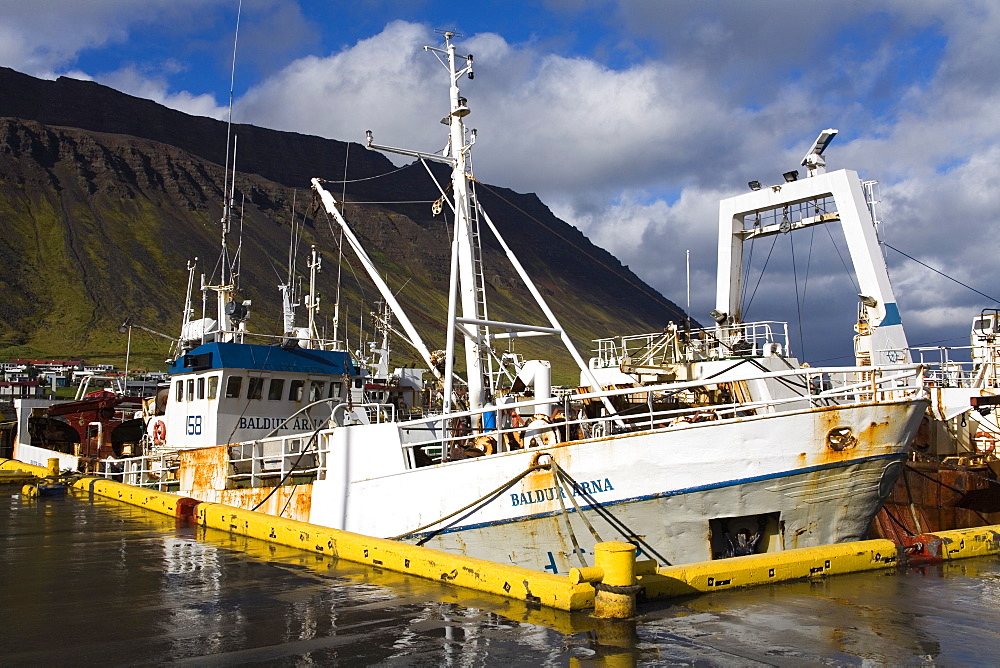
104 198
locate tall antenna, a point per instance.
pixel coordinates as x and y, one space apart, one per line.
227 198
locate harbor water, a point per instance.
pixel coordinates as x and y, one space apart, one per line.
89 581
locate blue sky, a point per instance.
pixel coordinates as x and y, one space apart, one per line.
630 119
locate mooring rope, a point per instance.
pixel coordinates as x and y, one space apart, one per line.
306 450
475 505
577 550
561 480
615 523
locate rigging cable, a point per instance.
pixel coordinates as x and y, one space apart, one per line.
937 271
746 270
239 247
798 301
367 178
641 288
843 261
762 269
805 287
340 253
361 289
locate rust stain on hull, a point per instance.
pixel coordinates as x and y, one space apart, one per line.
930 498
203 471
203 474
277 504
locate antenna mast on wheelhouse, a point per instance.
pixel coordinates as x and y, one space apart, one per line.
231 313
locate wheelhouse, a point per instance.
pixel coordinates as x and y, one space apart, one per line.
229 392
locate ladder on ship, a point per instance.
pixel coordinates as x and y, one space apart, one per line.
482 331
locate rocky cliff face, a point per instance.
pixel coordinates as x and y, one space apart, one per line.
104 198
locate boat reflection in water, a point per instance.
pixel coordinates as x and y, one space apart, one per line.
98 582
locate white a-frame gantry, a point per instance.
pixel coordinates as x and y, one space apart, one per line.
880 338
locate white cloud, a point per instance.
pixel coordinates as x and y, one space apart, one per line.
380 84
42 38
718 108
132 81
47 39
637 155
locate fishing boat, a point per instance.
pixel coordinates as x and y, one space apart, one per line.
101 422
710 443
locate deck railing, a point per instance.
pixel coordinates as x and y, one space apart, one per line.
260 463
640 408
299 457
675 345
158 471
960 366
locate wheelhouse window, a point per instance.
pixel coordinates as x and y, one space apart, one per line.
201 388
334 390
179 391
295 390
276 390
213 387
255 388
316 390
190 390
233 386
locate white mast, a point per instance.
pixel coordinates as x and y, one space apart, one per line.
312 302
465 279
464 286
463 230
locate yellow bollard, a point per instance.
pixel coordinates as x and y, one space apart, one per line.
616 592
54 467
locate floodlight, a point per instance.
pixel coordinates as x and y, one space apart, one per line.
870 302
718 316
791 176
754 185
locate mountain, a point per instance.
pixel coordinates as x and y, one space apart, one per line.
105 198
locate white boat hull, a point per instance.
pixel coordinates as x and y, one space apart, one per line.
666 485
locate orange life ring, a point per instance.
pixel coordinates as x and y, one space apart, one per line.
159 432
987 441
